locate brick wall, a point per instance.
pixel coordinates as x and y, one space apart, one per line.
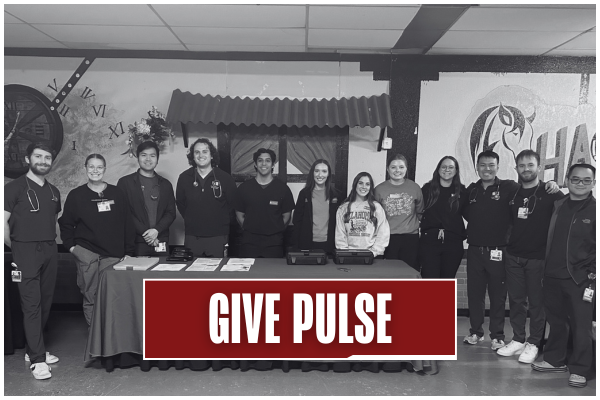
461 288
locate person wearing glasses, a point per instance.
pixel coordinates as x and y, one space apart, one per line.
360 220
531 209
31 205
402 201
151 202
570 279
442 226
488 216
314 215
205 197
97 229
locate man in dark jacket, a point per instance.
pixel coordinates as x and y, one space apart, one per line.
151 201
570 278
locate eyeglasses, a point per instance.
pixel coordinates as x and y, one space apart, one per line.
447 168
577 181
92 168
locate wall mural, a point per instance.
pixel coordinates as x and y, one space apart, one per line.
463 114
507 121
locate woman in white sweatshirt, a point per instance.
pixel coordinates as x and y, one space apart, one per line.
360 220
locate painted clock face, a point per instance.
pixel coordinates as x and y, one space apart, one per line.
27 119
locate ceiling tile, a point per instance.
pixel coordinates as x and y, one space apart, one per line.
347 38
9 19
92 14
234 16
23 33
585 41
372 17
36 44
502 40
572 52
525 19
240 36
275 48
109 34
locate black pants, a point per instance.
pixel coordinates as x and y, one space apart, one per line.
524 283
38 263
564 306
440 259
404 247
484 274
255 245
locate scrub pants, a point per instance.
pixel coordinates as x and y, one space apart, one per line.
89 267
211 246
482 274
524 283
404 247
38 263
255 245
565 307
440 259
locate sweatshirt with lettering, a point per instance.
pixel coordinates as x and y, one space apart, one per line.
360 232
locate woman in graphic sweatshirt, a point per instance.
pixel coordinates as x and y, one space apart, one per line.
360 220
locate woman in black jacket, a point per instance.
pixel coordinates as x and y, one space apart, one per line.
314 215
442 226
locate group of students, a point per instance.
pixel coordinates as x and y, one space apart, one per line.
509 227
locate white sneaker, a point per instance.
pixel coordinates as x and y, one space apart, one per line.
472 339
40 370
511 349
50 359
529 354
497 344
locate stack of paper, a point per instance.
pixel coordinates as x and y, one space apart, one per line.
205 264
169 267
238 264
136 263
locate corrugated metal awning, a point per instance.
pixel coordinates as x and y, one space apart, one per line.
362 111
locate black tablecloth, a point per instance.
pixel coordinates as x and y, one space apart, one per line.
116 334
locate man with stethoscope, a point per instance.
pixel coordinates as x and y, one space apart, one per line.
531 209
488 214
31 205
205 197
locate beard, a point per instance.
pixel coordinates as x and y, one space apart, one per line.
35 168
531 177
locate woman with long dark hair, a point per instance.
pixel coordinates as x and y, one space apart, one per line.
360 220
442 226
402 202
314 215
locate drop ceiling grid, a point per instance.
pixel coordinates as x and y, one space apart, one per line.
240 36
502 40
357 39
105 34
376 17
89 14
525 19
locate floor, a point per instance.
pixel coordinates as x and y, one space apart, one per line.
478 371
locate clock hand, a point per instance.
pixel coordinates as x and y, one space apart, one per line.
12 131
29 118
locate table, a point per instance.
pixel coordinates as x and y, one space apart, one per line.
116 332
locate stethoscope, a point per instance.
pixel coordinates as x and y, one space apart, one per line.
216 184
495 194
527 199
29 189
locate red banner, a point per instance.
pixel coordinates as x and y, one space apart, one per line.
300 319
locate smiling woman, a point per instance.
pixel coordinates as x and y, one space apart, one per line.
97 229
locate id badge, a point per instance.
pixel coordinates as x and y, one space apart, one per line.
496 255
588 294
103 206
161 248
522 212
16 276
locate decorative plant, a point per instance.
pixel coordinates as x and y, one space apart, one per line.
153 128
